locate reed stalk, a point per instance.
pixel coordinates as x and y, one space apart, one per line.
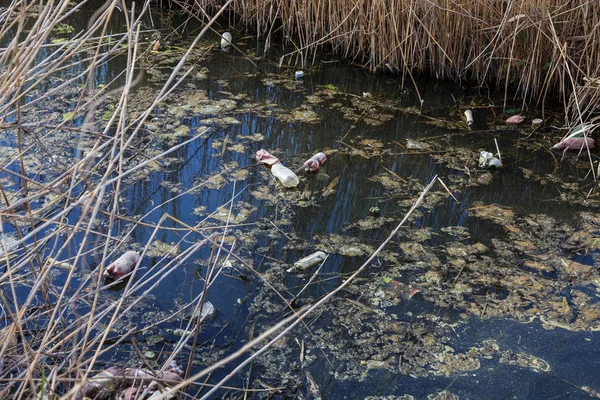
532 50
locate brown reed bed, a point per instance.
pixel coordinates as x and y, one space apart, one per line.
535 50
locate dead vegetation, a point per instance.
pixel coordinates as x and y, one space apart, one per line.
533 50
58 210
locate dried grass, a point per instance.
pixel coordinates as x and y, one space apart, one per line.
534 50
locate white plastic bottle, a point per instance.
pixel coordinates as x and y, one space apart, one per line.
285 175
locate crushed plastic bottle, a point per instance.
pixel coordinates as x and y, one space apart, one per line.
122 266
578 139
313 163
488 160
310 260
285 175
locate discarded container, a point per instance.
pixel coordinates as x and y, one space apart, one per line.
207 313
122 266
515 119
299 74
285 175
313 163
575 144
469 115
487 160
537 121
578 139
226 40
264 157
310 260
375 211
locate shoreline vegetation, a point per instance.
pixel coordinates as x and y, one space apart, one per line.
55 334
535 50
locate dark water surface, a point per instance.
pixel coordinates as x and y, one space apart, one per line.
281 232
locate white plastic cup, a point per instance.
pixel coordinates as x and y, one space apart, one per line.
469 115
226 39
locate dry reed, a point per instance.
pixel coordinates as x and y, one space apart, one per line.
535 48
530 49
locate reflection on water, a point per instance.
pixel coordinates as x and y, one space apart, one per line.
294 223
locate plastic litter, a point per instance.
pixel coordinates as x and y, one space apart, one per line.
488 160
285 175
264 157
310 260
515 119
122 266
575 144
299 74
313 163
578 139
226 40
208 312
469 116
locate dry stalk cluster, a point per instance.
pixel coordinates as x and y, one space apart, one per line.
534 48
57 322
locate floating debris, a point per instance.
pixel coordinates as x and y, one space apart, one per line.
208 312
226 40
264 157
122 266
286 176
578 139
314 163
469 116
515 120
310 260
488 160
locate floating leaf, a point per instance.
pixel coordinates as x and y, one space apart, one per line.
65 29
68 115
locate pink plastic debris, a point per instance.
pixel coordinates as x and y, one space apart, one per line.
515 119
264 157
131 393
575 143
122 266
313 163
